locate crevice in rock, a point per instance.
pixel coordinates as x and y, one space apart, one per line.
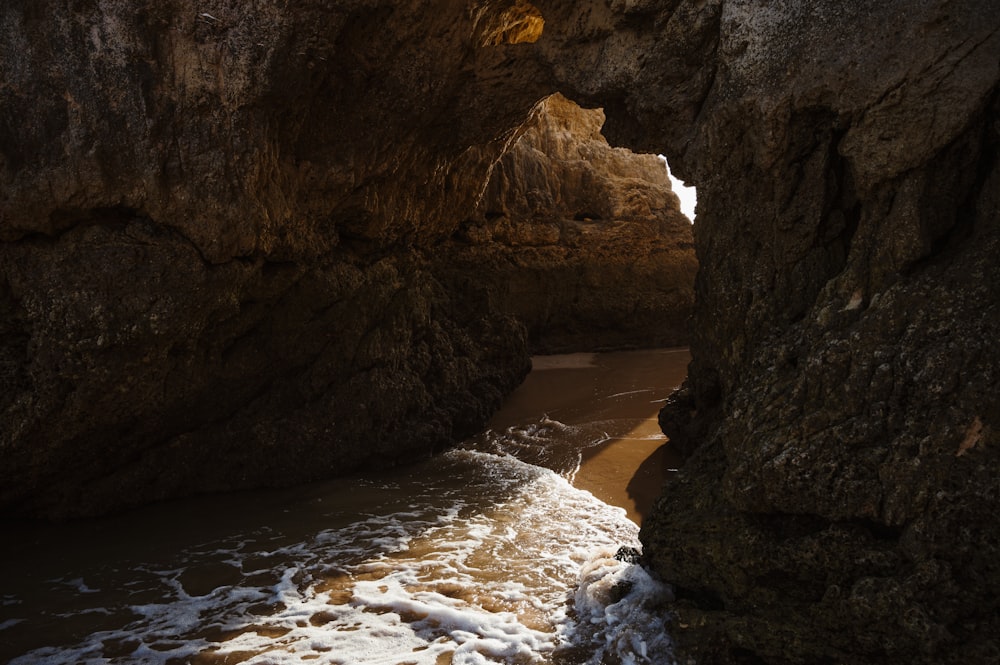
880 531
15 347
843 215
782 526
63 219
977 155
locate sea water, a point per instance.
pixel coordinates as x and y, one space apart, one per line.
502 550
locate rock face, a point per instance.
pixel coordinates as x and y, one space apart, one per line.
234 240
134 370
584 243
222 226
217 224
840 502
253 130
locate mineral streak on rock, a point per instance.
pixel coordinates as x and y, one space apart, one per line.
507 23
842 408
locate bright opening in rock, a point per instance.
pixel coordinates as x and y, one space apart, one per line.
519 22
687 195
590 245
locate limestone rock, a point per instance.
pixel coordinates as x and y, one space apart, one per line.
134 370
584 243
840 503
217 224
227 240
229 216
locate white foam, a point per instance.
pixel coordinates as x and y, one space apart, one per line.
482 577
619 609
631 392
80 586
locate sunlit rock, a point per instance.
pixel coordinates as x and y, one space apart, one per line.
583 242
225 240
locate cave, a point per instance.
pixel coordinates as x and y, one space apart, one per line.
228 230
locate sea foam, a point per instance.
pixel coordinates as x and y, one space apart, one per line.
511 565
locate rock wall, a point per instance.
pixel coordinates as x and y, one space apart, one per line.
840 501
234 240
584 243
218 224
133 370
253 129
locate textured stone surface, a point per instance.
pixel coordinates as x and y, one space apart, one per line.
133 370
254 129
218 221
234 247
840 503
584 243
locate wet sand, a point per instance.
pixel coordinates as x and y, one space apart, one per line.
621 392
479 537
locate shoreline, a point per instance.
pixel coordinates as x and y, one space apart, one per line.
621 391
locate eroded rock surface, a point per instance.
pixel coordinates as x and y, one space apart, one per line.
840 503
253 129
234 240
134 370
841 497
584 243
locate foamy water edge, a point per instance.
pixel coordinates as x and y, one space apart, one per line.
514 579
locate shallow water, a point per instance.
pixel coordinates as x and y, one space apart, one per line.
500 551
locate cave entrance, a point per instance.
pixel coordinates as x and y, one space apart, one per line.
587 245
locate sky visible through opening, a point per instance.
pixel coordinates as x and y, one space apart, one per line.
686 194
